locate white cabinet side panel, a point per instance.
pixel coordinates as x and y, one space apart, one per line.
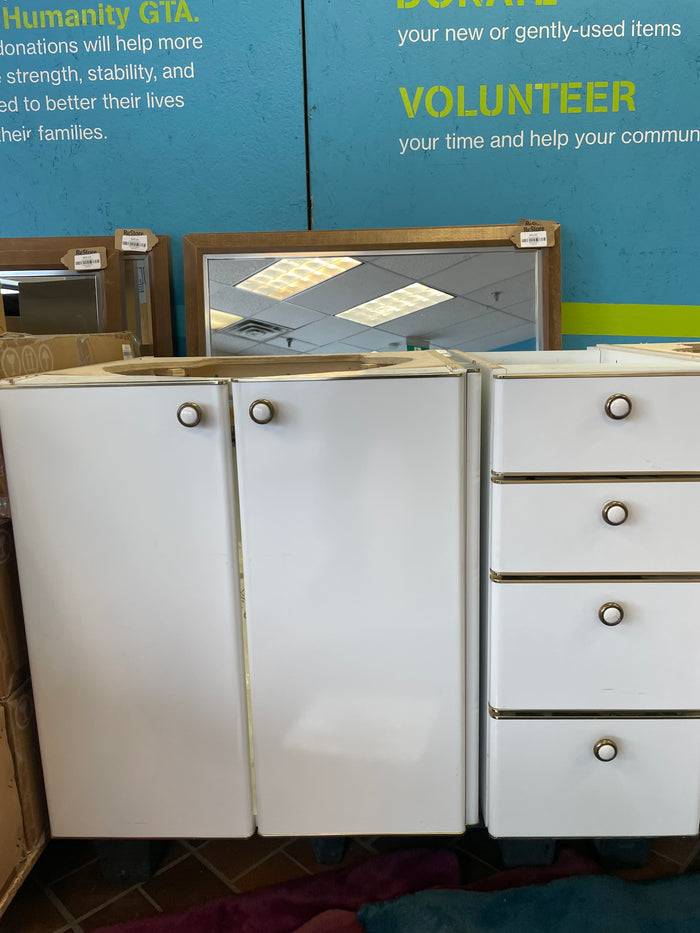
125 525
352 505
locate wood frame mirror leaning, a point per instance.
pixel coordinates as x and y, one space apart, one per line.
133 291
484 291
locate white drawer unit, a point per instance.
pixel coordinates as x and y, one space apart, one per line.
591 568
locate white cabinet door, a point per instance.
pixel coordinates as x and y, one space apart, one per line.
125 523
353 534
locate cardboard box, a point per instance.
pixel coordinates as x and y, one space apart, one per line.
14 664
25 355
12 847
20 723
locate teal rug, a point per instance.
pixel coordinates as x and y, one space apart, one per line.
593 904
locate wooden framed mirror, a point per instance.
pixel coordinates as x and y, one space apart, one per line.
460 288
41 296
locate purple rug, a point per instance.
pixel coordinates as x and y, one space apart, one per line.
318 904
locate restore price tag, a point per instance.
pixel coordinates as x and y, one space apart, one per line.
85 259
135 241
84 262
533 239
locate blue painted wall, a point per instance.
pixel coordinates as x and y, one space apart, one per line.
387 76
222 147
227 151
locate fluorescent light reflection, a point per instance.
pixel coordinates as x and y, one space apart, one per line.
395 304
219 319
288 277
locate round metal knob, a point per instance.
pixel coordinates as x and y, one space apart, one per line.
605 750
262 411
618 407
611 614
189 414
615 513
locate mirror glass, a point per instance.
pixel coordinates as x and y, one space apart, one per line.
51 302
383 300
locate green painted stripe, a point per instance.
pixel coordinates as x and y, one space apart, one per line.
660 320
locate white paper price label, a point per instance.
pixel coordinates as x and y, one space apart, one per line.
533 239
135 243
82 262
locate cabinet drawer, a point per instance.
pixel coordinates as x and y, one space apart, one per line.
543 778
542 528
560 425
550 649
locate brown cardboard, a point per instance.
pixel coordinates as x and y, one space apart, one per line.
14 668
20 722
12 846
28 354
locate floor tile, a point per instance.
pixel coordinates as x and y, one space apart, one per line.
31 911
477 842
232 857
186 884
130 906
62 856
655 867
680 849
274 870
85 890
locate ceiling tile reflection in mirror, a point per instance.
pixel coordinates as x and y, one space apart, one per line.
467 300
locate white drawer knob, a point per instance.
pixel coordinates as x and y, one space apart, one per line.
189 414
262 411
618 407
605 750
611 614
615 513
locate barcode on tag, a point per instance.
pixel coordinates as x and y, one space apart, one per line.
135 244
127 352
85 261
533 238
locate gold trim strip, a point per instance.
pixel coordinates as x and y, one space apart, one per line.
593 577
505 479
530 714
591 374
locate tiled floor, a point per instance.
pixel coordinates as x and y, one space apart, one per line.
66 890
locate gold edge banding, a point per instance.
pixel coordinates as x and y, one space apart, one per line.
531 714
504 479
611 374
496 577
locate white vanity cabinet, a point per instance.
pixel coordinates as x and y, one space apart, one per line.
591 573
353 669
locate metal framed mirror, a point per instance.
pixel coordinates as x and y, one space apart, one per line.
41 296
350 291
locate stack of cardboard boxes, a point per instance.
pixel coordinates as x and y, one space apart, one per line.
24 825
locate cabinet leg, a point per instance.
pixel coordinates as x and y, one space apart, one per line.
328 850
129 861
519 852
623 853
